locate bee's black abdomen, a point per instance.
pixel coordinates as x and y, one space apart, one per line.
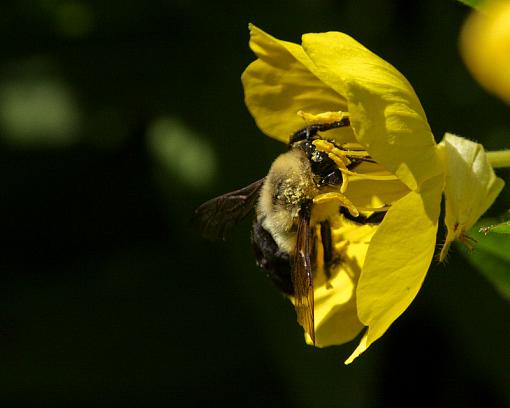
270 258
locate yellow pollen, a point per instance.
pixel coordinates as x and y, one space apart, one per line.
339 156
389 177
336 198
322 118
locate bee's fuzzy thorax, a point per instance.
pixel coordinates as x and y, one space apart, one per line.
288 185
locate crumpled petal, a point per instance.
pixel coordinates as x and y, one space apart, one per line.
277 85
397 260
385 112
471 186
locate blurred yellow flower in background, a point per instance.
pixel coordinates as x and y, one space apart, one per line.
485 47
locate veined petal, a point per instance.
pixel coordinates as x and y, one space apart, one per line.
386 115
397 260
279 84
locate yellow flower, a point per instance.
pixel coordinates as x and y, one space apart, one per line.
485 46
381 266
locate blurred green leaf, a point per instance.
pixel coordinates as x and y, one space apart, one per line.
181 151
38 112
503 228
491 257
472 3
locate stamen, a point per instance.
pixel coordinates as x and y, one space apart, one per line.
341 245
389 177
328 147
342 166
376 209
341 159
353 146
336 198
353 153
323 118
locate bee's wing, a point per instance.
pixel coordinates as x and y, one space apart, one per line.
302 278
215 217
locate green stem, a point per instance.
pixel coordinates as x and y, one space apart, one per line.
500 158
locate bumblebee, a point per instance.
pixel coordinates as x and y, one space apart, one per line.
282 236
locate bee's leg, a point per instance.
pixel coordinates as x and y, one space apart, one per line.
327 245
269 257
374 218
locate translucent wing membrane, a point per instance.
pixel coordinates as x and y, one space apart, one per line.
217 216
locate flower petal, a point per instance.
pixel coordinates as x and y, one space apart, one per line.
362 346
278 85
336 317
471 186
397 260
339 326
385 113
372 193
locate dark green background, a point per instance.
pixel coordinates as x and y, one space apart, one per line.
106 295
